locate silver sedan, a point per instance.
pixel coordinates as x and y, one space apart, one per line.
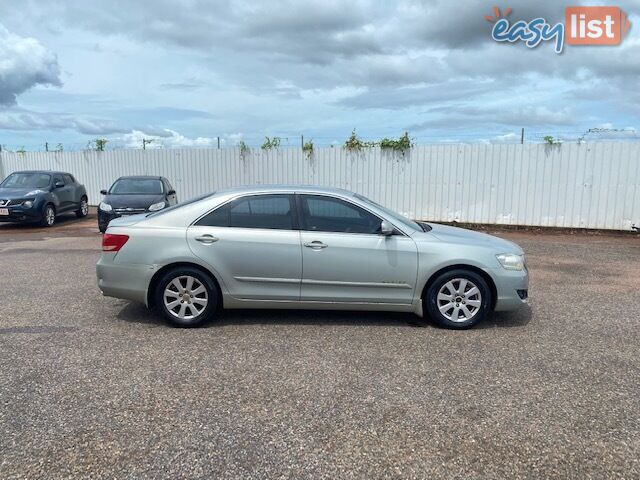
306 248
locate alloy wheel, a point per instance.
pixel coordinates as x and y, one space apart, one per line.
459 300
50 216
185 297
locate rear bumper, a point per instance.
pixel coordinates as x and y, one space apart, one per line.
130 281
510 285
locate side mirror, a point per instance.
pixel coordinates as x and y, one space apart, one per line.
59 185
386 228
103 192
171 192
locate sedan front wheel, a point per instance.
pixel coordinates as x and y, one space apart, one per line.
458 299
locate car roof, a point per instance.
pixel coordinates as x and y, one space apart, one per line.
285 188
48 172
141 177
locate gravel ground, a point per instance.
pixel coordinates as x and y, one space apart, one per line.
94 387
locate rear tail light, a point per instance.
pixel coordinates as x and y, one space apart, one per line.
112 242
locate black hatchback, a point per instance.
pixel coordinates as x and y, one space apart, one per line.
133 195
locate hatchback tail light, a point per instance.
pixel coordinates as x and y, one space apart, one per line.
112 242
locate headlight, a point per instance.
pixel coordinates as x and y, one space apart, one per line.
105 207
28 204
157 206
511 261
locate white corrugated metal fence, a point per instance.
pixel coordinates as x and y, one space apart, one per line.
571 185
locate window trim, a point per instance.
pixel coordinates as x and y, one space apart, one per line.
301 221
292 205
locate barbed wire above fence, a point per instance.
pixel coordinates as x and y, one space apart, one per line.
297 140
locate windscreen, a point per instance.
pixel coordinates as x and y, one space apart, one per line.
27 180
137 186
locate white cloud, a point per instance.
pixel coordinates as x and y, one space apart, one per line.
508 138
172 139
233 138
24 63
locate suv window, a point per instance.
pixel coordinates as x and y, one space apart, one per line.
259 211
56 179
326 214
68 180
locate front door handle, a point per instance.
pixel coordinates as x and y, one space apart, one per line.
208 239
316 245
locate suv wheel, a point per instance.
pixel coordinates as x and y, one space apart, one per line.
186 297
83 211
48 216
458 299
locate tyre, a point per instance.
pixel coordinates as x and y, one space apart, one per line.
83 211
186 297
458 299
48 216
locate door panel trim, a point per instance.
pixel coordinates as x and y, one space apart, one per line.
267 280
356 284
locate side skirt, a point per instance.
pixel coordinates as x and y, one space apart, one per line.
235 303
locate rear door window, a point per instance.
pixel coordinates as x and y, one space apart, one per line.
257 211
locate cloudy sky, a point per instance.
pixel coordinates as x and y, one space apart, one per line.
187 72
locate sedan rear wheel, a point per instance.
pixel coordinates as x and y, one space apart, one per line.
186 297
458 299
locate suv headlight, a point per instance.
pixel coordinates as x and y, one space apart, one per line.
511 261
105 207
157 206
27 204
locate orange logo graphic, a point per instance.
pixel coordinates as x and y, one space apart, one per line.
595 25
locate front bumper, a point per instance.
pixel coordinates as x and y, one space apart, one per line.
512 288
128 281
18 213
105 217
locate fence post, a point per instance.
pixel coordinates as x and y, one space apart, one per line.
301 141
522 136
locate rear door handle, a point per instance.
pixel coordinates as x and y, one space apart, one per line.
208 239
316 245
